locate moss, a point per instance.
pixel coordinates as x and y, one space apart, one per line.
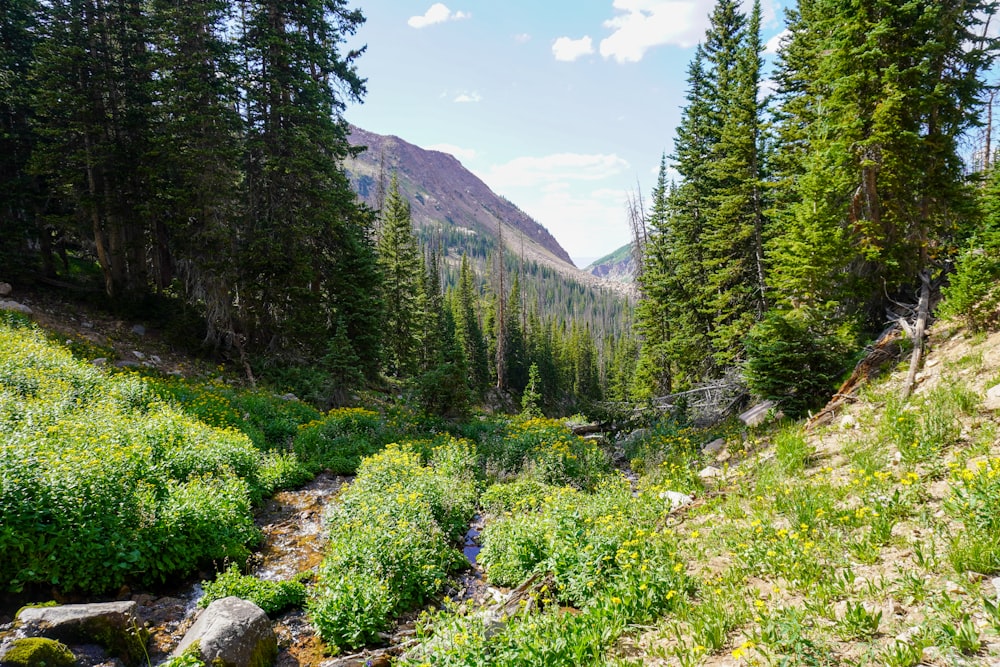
38 652
128 644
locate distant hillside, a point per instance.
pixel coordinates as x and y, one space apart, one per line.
619 266
447 198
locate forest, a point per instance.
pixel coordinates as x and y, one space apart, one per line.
179 164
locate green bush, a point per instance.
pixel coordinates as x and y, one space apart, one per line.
102 483
340 439
391 540
794 359
273 597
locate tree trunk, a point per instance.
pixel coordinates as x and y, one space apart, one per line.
923 310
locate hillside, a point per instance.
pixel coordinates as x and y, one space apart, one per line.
618 266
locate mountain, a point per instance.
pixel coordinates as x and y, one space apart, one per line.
446 197
618 266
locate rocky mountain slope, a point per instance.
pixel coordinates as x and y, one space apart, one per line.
446 197
618 266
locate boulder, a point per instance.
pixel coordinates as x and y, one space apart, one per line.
232 632
113 625
710 472
15 306
37 652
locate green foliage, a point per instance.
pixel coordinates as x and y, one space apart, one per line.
103 483
531 400
38 652
975 501
794 359
273 597
546 447
390 540
340 439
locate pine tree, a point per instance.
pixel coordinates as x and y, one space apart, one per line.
19 192
469 331
402 282
92 114
195 156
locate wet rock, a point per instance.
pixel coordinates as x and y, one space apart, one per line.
37 652
6 289
676 499
15 307
113 625
232 633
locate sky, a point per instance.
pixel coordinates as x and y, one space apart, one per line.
562 107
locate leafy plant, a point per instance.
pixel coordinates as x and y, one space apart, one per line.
273 597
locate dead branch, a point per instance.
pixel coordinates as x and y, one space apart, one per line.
923 311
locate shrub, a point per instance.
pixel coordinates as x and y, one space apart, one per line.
795 359
340 439
273 597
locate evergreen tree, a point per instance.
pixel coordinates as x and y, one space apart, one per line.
469 331
19 192
92 115
402 281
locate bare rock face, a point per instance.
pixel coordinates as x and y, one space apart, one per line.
231 632
113 625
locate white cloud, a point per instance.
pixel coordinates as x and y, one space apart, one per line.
437 13
468 98
568 50
774 43
552 169
522 38
767 87
587 223
451 149
643 24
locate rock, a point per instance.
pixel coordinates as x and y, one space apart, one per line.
931 363
126 364
908 635
100 361
232 633
715 446
710 472
848 421
138 355
757 415
996 586
992 401
113 625
37 652
637 435
15 307
155 359
676 498
6 289
139 330
87 325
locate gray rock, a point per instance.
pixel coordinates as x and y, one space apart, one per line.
715 446
757 414
710 472
676 498
5 289
126 364
155 359
992 401
138 355
139 330
15 307
232 633
113 625
99 361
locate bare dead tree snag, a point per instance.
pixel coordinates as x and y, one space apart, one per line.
923 311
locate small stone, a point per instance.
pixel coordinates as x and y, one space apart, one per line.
126 364
715 446
676 498
155 359
100 361
848 421
138 355
723 456
931 363
139 330
992 401
710 472
6 289
996 586
87 325
908 635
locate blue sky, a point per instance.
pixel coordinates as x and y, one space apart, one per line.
562 107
